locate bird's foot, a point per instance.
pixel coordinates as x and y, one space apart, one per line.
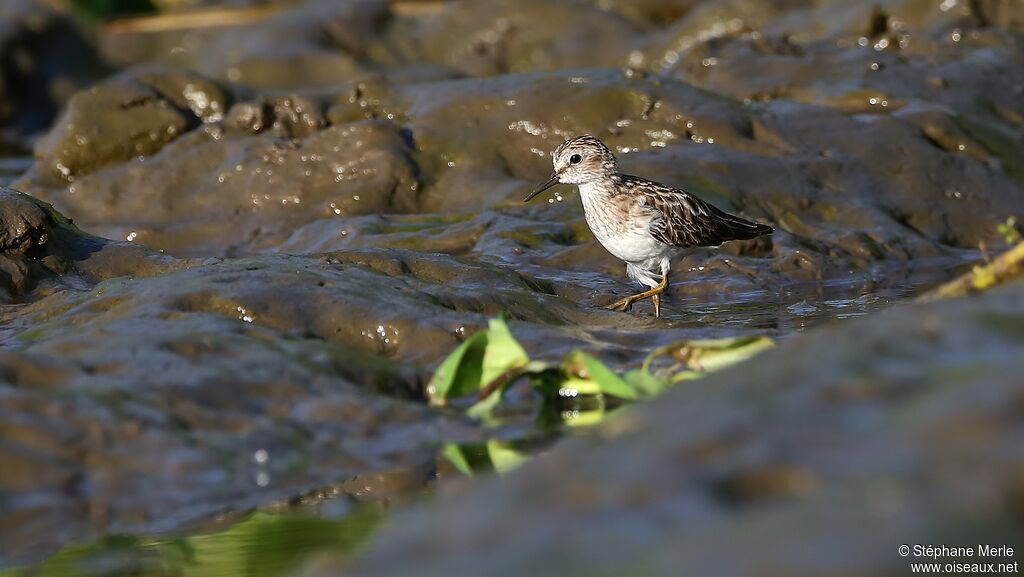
622 305
625 304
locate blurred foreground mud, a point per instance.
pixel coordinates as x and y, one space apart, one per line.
830 451
311 206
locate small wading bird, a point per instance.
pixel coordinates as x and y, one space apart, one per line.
639 221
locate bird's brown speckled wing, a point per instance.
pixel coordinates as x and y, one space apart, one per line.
682 219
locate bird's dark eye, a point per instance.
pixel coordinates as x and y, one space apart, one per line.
575 159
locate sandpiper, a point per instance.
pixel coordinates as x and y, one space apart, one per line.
639 221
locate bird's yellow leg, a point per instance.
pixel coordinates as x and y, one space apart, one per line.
654 294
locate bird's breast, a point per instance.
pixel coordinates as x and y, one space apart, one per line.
621 228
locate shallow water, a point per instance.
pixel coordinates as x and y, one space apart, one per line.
785 310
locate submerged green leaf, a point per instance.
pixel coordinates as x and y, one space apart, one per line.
458 460
483 408
494 455
503 456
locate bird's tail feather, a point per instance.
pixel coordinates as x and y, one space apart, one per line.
743 229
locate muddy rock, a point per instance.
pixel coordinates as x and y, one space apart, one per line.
44 59
518 119
841 204
838 447
41 251
651 13
22 222
129 116
313 45
999 13
392 303
287 116
186 90
514 36
972 82
96 446
898 189
263 184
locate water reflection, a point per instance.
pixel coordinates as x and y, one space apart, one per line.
261 545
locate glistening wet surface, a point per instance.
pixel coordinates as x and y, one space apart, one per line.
789 309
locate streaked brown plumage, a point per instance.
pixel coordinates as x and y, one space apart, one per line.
687 221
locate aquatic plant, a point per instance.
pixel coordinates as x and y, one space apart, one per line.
1007 267
491 360
1009 231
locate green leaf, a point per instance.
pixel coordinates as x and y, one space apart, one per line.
610 383
463 366
644 382
1010 231
491 359
458 460
503 352
503 457
685 376
499 456
715 354
572 387
476 363
585 417
484 407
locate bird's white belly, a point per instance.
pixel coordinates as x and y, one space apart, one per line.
633 245
627 236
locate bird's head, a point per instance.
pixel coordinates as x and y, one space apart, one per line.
578 161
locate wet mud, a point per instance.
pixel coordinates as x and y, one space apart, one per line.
265 235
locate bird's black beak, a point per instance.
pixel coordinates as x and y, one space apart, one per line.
543 186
